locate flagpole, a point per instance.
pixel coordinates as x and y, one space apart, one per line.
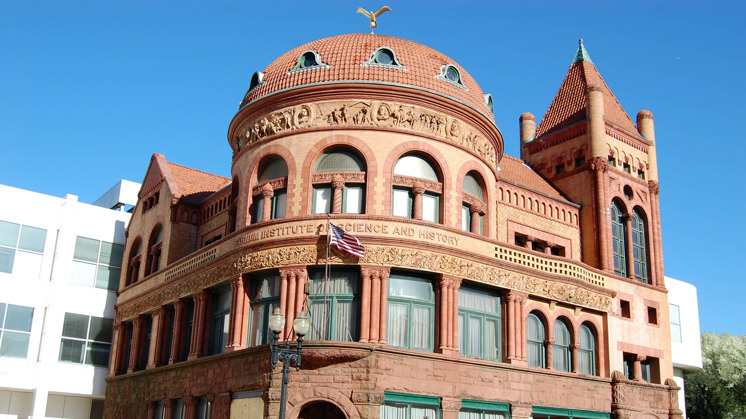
326 274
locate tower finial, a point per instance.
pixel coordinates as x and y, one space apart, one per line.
581 54
372 16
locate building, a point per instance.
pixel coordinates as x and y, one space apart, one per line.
60 262
490 287
686 344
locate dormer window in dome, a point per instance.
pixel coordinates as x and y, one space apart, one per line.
384 57
308 60
451 74
256 80
488 102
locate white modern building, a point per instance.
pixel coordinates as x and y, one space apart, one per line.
686 345
60 262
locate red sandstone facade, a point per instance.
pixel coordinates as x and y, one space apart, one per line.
488 286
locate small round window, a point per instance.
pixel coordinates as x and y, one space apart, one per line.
385 56
308 60
452 74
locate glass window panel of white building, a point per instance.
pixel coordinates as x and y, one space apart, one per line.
86 340
21 249
15 330
97 263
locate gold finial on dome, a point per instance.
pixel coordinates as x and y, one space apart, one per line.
372 16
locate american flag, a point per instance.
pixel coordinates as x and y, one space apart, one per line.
345 242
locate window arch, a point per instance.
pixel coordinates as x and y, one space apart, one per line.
134 260
308 60
155 245
417 189
561 355
619 238
535 340
472 204
384 57
451 74
639 250
587 350
339 183
270 196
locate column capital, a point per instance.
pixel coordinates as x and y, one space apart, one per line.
338 182
268 191
418 188
600 164
653 187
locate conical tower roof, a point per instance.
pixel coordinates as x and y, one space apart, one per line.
569 104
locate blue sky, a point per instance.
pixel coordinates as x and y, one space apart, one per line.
89 90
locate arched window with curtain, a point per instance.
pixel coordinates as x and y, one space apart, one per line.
619 238
561 355
270 194
535 341
416 189
587 350
339 183
155 244
639 250
472 206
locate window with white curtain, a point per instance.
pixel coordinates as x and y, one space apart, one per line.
411 312
479 323
340 291
561 355
587 351
416 166
274 169
353 194
535 341
265 297
407 406
477 409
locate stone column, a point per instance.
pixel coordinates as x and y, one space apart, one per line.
136 349
530 242
338 183
221 406
548 249
384 273
515 328
455 285
600 166
574 348
168 408
178 335
190 407
365 297
477 210
293 278
548 342
442 303
629 247
638 368
158 334
655 242
115 364
375 305
418 189
267 193
238 318
199 326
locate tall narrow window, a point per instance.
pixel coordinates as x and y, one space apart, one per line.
619 239
411 311
21 249
133 268
339 294
220 319
153 263
417 189
535 347
587 351
265 298
86 339
638 246
472 206
561 356
15 330
479 323
339 183
675 315
97 263
271 191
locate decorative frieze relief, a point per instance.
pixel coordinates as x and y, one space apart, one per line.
374 255
348 177
360 113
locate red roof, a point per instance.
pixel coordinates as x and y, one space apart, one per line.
569 105
515 171
344 56
195 185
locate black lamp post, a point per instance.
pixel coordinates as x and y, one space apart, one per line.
286 355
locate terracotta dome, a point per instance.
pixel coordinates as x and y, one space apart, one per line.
347 58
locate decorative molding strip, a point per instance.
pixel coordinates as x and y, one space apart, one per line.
191 264
362 113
